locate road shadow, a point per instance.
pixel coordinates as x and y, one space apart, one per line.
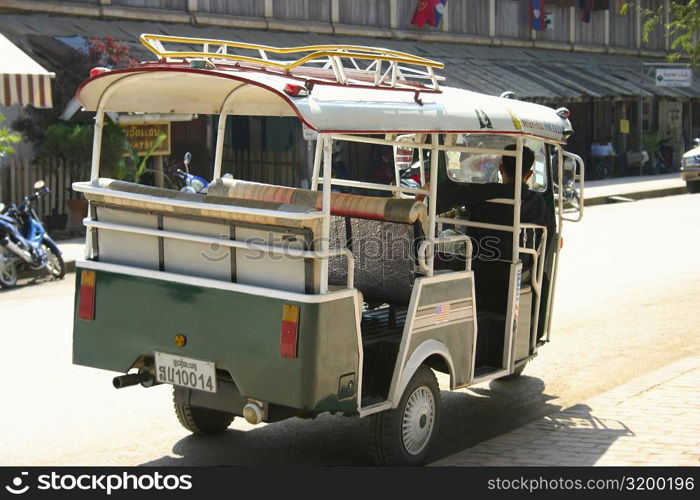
468 418
25 280
573 437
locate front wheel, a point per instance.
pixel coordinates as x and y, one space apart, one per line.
693 186
54 263
406 434
8 268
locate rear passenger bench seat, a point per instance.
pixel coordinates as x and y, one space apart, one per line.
382 233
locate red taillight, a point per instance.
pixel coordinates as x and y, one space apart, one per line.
98 71
86 300
289 333
295 90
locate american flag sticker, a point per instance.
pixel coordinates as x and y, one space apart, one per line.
442 313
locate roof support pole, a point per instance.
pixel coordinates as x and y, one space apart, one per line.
432 207
317 163
516 198
221 132
492 18
220 138
97 144
326 209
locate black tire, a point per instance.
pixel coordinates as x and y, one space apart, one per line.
693 186
387 439
202 421
515 375
8 269
55 264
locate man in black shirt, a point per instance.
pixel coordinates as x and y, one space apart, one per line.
492 246
474 197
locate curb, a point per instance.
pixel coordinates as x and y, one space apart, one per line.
634 196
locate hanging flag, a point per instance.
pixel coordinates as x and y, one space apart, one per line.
429 12
537 15
585 6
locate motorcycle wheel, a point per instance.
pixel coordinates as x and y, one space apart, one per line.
603 169
54 264
8 269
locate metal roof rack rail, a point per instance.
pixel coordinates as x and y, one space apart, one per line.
339 64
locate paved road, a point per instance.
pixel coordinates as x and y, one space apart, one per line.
626 305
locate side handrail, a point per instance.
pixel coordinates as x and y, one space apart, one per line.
426 244
537 255
247 245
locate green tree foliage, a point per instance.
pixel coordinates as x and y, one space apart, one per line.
683 26
7 138
73 143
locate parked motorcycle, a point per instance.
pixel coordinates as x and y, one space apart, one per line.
663 157
24 242
192 183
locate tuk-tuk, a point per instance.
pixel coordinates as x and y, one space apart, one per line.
345 297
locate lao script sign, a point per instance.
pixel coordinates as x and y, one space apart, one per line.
141 137
674 77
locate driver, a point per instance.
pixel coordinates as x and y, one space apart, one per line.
474 197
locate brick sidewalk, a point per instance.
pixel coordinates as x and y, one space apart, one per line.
652 420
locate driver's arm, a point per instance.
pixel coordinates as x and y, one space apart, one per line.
452 195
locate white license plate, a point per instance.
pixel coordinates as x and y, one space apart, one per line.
186 372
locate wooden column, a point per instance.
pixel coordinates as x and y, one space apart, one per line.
572 24
393 14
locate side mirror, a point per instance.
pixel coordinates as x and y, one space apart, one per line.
572 172
38 185
187 160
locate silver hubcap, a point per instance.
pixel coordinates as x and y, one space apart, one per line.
418 420
8 271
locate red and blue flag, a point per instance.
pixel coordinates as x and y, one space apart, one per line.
585 6
537 15
429 12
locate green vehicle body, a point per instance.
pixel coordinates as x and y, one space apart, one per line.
239 332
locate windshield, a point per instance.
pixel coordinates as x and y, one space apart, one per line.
482 168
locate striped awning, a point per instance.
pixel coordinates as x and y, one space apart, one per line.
22 80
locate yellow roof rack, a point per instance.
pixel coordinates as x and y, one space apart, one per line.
344 64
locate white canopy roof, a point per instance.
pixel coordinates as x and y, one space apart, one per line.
22 80
168 88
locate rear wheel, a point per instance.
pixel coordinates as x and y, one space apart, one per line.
202 421
693 186
54 263
405 435
8 268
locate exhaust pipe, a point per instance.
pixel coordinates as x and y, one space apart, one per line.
17 250
144 378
